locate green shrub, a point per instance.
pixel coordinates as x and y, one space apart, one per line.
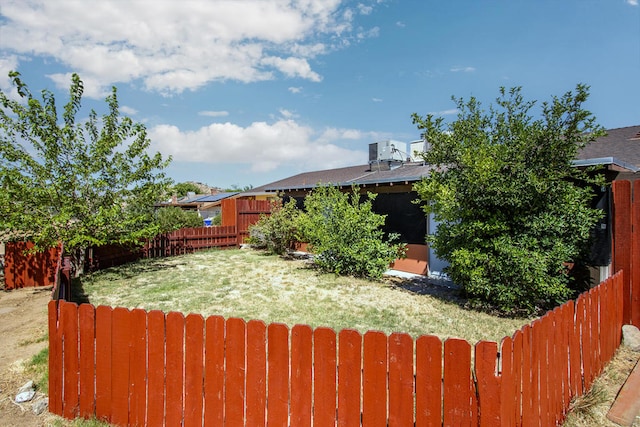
278 231
173 218
512 208
345 234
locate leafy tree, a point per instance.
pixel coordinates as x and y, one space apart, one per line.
183 188
172 218
278 231
76 183
512 210
345 234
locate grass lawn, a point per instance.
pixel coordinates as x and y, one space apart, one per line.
252 285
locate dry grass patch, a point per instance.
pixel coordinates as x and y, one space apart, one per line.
591 408
252 285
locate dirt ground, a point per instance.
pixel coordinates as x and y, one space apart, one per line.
23 331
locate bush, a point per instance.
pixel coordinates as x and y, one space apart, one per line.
344 233
173 218
511 207
278 231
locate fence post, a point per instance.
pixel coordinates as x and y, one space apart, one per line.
62 290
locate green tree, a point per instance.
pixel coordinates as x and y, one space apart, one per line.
278 231
182 188
172 218
345 234
511 208
78 183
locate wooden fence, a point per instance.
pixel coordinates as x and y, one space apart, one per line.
626 244
23 269
151 368
189 240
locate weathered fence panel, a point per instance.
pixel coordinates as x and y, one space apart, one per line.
23 269
136 367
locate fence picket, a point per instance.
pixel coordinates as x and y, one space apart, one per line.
374 381
214 371
400 380
324 379
301 375
428 381
55 363
69 322
457 382
509 393
86 318
527 378
120 340
277 374
174 368
349 377
256 373
103 362
634 268
156 363
489 394
138 368
622 233
234 397
194 370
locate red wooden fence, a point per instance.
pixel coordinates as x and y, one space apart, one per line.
25 269
626 244
150 368
189 240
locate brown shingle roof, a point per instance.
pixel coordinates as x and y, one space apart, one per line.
358 175
622 144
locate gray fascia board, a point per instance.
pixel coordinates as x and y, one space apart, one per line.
601 161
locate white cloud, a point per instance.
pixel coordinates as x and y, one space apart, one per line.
400 24
295 89
451 112
8 63
364 9
263 146
128 110
171 46
632 2
376 99
287 114
213 113
462 69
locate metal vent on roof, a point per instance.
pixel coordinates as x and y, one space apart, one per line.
636 136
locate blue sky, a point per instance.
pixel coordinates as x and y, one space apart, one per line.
246 92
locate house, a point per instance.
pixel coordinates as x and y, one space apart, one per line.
206 205
617 155
391 173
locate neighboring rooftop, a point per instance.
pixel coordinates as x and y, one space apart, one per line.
619 147
369 174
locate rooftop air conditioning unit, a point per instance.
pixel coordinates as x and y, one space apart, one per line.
387 151
418 147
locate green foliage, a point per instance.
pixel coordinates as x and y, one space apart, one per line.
38 368
181 189
172 218
512 210
345 234
76 182
278 231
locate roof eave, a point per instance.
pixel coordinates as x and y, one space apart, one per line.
612 162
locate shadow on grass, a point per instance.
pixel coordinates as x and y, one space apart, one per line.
125 271
431 287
